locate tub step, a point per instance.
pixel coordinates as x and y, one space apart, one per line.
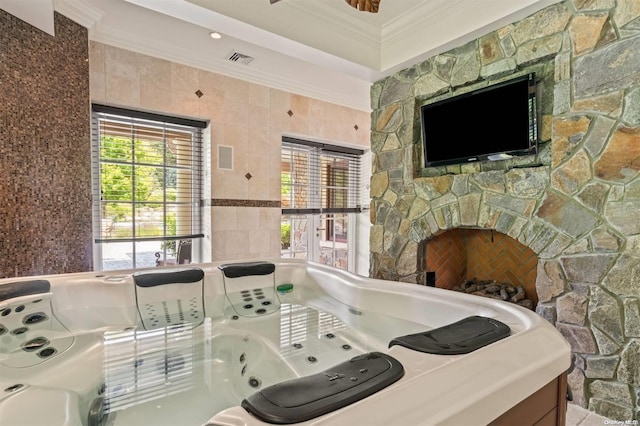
305 398
461 337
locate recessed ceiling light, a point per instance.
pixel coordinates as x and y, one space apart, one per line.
215 35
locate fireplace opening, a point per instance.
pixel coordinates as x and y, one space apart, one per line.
483 262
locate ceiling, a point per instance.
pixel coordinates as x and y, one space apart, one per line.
324 49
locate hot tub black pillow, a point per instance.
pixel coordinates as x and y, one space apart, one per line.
460 337
305 398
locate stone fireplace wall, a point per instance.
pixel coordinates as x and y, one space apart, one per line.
576 203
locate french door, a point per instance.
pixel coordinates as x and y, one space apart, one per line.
319 195
324 238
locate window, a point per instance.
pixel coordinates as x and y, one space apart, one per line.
146 187
320 196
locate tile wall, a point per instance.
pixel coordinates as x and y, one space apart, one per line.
251 118
45 169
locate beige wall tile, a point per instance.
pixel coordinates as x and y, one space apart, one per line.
249 117
236 113
122 91
155 83
184 103
224 218
230 185
184 77
154 96
259 96
259 118
248 218
299 121
238 138
212 104
260 242
258 165
155 71
120 62
269 218
96 58
97 87
236 243
235 89
280 104
210 81
218 252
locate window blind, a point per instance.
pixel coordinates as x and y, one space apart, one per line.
147 181
319 178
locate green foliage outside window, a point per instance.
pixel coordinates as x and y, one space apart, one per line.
136 172
285 235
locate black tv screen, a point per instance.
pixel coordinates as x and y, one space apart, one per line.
491 123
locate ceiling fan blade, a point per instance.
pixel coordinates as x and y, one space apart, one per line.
273 1
365 5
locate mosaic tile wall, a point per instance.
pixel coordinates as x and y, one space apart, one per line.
45 152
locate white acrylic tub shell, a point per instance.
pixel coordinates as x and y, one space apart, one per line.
471 389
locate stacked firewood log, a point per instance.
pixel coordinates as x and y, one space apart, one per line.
496 290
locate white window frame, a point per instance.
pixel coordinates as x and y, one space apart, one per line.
193 191
314 211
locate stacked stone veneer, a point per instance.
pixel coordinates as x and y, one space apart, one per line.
576 204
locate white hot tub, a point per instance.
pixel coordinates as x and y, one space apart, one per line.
201 344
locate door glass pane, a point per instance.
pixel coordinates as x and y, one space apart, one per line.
319 181
326 256
332 240
294 236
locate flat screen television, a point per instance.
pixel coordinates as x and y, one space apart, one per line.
492 123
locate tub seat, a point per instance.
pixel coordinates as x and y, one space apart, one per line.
170 297
29 329
308 397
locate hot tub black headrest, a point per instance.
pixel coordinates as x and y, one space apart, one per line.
23 288
171 277
461 337
305 398
244 269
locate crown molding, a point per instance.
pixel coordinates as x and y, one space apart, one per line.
325 29
79 11
339 21
409 39
341 37
414 21
357 98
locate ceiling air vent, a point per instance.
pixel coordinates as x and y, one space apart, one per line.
239 58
